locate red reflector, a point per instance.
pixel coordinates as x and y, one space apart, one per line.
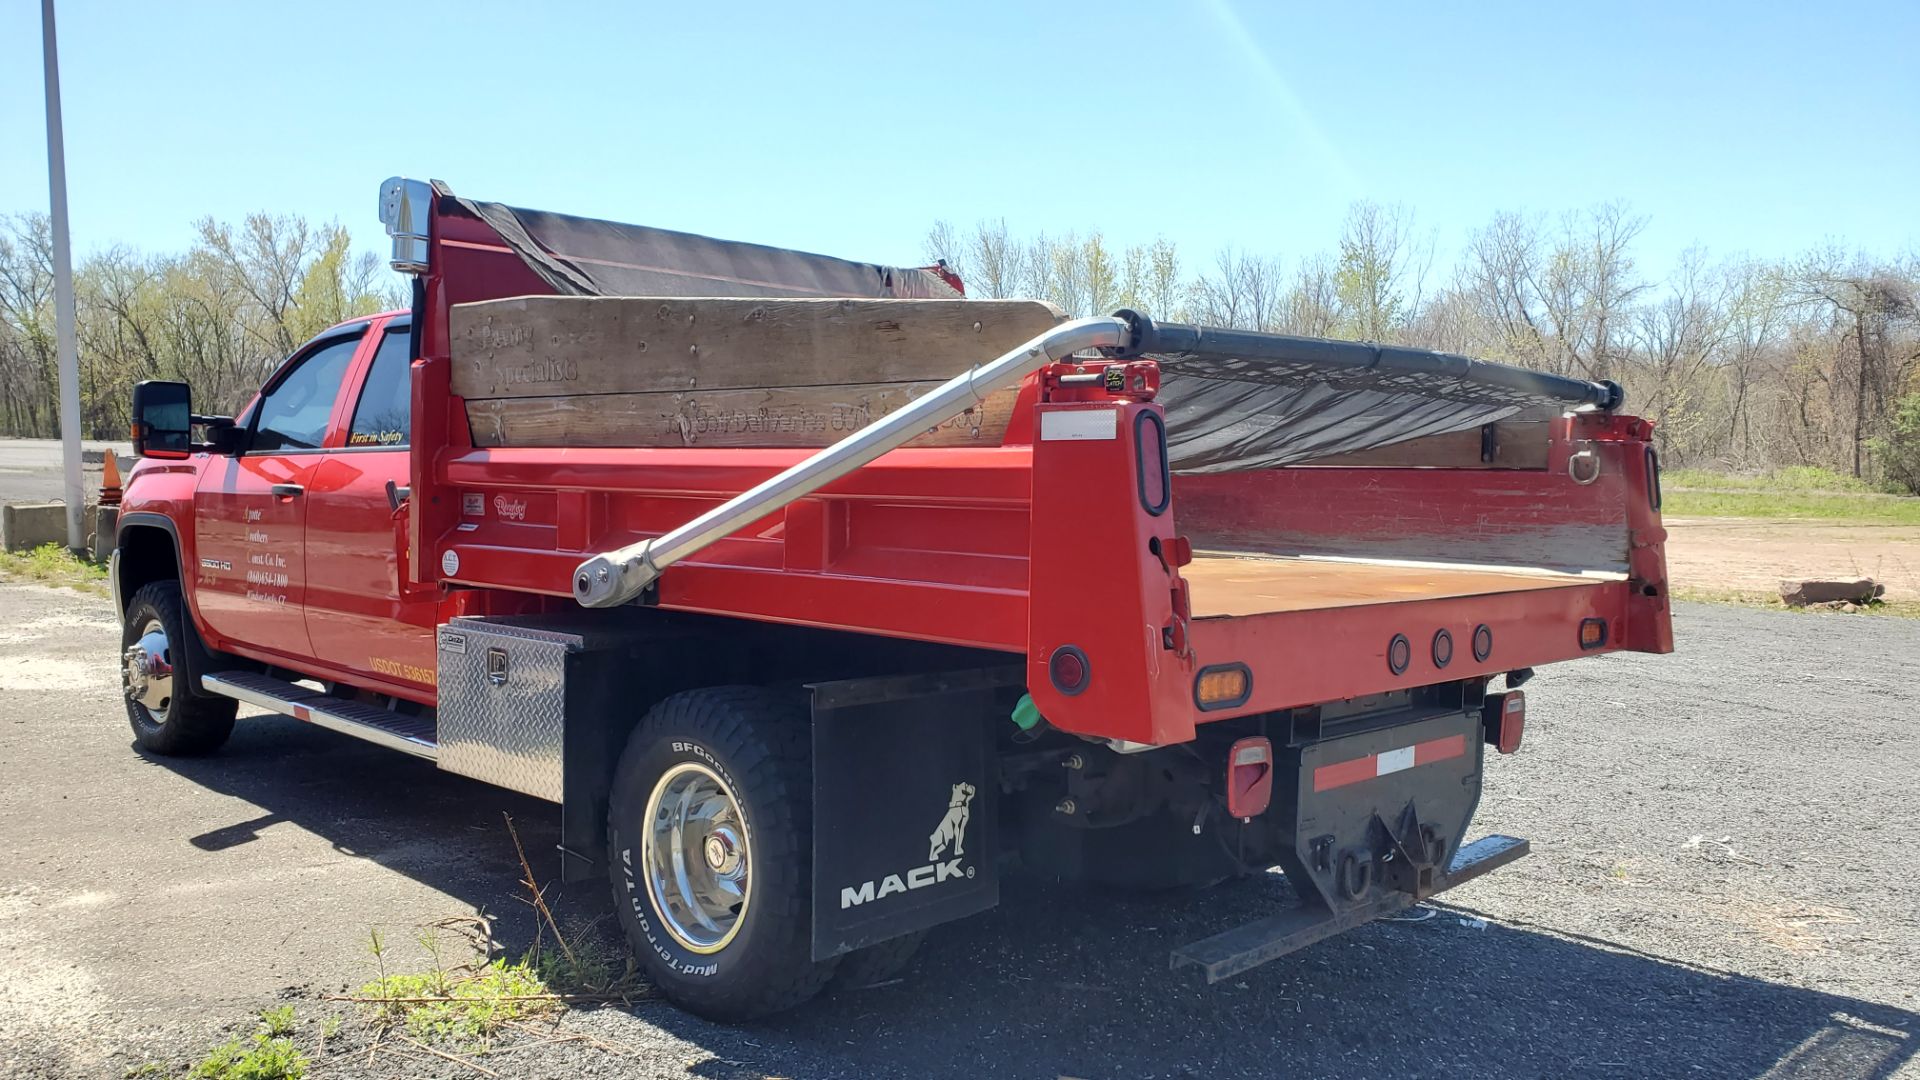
1505 717
1068 670
1249 777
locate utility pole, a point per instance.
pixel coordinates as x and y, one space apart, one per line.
68 352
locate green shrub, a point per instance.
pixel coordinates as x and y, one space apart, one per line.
1899 451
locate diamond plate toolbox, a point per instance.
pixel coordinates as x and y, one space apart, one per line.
503 703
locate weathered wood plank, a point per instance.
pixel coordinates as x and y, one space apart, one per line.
796 416
554 346
1517 445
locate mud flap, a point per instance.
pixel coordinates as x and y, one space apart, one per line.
1367 824
905 804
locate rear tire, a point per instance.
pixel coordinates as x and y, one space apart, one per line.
710 837
157 644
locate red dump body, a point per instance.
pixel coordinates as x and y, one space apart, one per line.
1057 540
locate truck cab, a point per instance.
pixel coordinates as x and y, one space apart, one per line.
290 534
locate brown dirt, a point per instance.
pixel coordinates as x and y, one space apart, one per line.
1753 555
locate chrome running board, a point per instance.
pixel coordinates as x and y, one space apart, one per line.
409 734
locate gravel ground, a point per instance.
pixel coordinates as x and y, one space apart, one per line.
1714 891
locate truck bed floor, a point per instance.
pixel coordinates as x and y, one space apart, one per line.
1225 584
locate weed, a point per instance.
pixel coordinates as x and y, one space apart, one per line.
261 1058
330 1028
433 1006
277 1021
144 1070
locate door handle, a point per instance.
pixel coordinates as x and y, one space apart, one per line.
287 491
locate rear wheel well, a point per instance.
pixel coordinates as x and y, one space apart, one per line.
147 554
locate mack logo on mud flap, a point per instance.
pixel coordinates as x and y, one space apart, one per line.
951 833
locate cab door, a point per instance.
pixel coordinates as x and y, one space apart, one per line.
250 510
363 617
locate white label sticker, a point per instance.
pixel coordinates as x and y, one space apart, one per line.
1070 424
450 562
453 643
1395 760
473 504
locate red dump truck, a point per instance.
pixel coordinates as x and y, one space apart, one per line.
814 594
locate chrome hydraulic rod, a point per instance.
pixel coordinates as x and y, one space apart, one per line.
616 577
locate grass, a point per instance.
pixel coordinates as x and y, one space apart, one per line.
1792 478
1799 492
53 564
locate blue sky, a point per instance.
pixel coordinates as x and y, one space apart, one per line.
1756 127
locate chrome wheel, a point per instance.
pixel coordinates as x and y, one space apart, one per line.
697 858
147 671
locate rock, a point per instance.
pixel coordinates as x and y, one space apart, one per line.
1827 591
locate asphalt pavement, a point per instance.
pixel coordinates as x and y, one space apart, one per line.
33 470
1722 848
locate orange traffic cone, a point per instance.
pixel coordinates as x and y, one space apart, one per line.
110 482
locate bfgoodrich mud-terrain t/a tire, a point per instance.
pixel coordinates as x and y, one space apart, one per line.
155 666
710 830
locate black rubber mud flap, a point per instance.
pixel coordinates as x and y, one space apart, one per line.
905 805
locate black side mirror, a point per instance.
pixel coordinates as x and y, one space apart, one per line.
162 419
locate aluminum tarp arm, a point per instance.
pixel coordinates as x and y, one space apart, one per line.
618 576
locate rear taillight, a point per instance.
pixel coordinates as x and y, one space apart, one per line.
1593 633
1505 719
1249 777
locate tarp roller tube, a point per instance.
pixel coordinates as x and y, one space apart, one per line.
1356 357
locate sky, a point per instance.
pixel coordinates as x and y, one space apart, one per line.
1762 128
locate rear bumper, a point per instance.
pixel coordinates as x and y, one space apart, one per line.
1227 954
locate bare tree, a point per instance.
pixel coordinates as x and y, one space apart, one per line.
1589 287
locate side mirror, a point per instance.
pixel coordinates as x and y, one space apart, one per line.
162 419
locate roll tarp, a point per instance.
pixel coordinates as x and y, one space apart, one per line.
588 257
1240 400
1235 400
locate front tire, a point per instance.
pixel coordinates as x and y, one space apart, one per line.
710 830
156 674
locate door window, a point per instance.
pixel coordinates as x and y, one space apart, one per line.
384 414
294 414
